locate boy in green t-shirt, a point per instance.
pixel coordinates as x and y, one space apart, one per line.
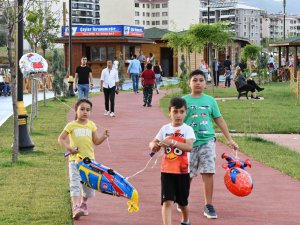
201 110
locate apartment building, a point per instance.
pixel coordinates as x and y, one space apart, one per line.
84 12
173 15
273 26
243 19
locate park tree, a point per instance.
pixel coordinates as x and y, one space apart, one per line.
41 26
215 35
250 52
58 72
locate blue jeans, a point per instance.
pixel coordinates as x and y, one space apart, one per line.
83 91
135 81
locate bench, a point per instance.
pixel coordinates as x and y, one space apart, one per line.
241 91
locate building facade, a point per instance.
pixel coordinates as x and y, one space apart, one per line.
173 15
273 26
243 19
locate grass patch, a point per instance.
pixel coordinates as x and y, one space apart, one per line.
270 154
35 190
277 113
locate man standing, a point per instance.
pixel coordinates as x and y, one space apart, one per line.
109 84
227 63
215 72
142 60
134 69
83 78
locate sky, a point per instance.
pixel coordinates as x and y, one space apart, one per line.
275 6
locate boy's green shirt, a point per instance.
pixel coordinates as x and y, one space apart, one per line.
200 112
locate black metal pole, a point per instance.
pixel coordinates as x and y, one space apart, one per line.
25 143
70 38
284 6
207 48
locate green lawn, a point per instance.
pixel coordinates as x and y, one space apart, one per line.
277 113
35 190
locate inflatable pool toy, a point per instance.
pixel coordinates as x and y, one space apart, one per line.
106 180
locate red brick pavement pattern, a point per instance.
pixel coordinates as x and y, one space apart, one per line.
274 200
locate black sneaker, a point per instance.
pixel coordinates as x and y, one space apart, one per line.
210 212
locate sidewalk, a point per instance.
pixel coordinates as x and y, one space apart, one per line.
274 200
6 104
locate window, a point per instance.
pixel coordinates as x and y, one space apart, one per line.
111 52
157 22
148 6
98 53
164 5
148 14
137 22
143 13
143 22
153 14
137 5
164 13
148 22
153 22
157 6
164 22
103 53
157 14
129 51
143 5
137 13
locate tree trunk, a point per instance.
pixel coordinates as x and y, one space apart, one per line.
15 150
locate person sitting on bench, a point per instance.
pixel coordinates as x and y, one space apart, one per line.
246 85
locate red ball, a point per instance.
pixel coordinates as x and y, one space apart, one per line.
238 182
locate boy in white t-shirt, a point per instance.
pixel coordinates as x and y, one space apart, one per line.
176 138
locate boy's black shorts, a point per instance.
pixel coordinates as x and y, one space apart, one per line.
175 187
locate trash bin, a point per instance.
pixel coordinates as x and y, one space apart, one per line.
70 82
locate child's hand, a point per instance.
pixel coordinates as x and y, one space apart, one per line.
73 150
166 142
106 133
156 147
233 145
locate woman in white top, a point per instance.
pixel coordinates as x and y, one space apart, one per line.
109 84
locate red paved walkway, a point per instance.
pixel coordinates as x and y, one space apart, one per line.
275 199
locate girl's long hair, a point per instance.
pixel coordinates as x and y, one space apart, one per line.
79 102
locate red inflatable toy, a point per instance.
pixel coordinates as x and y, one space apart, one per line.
237 180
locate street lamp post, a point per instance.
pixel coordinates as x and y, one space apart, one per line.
284 6
70 37
208 47
25 143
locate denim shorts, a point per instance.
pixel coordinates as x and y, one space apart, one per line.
203 158
76 188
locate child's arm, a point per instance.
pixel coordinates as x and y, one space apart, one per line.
154 145
97 140
62 140
223 126
186 147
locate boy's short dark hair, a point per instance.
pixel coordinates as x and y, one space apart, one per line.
177 103
196 72
149 66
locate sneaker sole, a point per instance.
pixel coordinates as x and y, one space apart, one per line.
78 215
209 216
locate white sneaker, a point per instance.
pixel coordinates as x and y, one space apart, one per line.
106 113
112 114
